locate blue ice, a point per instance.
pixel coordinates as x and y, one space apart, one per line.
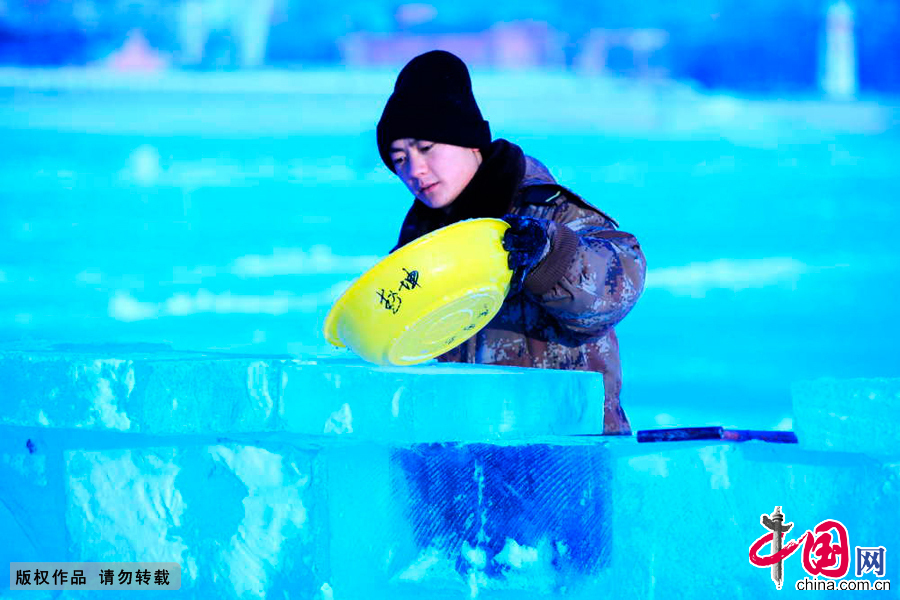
269 477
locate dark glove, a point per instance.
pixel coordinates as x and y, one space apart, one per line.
525 240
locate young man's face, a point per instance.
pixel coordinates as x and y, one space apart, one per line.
435 173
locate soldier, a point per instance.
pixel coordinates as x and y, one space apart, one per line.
575 274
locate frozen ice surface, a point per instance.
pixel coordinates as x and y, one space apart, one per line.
196 393
231 512
436 402
265 477
850 415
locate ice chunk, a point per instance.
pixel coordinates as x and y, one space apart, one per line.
49 390
439 402
32 499
709 505
106 389
497 514
230 512
266 477
17 545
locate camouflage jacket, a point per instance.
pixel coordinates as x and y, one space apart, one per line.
564 317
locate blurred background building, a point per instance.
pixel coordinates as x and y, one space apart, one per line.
751 46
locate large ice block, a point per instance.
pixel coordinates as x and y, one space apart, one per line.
266 477
230 512
157 393
437 402
194 393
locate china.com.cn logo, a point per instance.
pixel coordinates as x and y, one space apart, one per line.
826 552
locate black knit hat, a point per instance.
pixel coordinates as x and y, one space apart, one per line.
433 101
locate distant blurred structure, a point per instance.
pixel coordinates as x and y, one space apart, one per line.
136 54
641 45
244 25
520 44
838 70
837 47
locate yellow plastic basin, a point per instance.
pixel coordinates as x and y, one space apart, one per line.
426 297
